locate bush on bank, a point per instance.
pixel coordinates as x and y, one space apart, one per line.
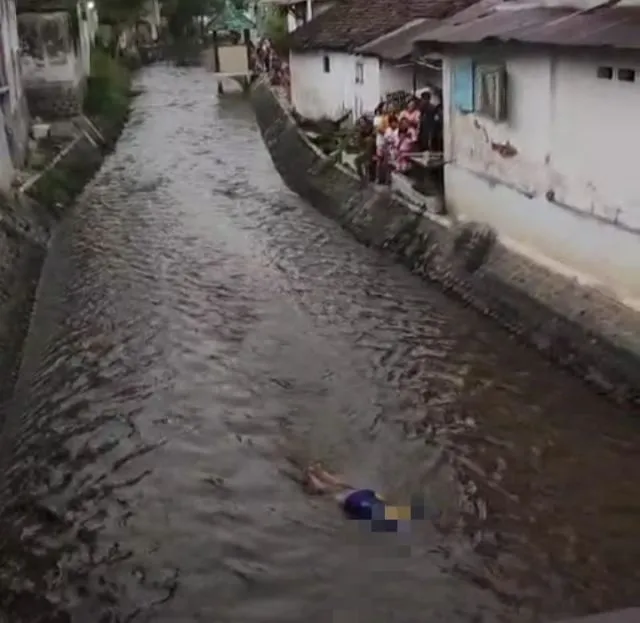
108 89
107 102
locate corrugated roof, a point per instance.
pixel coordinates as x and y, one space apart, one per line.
521 22
398 44
350 24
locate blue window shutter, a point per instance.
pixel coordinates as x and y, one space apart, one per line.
462 85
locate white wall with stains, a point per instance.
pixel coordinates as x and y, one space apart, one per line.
558 176
48 51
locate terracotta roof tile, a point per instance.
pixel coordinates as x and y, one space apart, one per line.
352 23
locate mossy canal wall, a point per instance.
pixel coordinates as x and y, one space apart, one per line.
578 328
27 220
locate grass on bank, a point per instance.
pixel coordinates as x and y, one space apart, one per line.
109 87
107 101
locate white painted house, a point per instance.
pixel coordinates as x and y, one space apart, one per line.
350 56
542 133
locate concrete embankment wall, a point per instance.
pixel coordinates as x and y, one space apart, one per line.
21 255
27 220
581 329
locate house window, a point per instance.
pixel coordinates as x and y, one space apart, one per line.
491 91
626 75
359 73
326 64
462 85
605 73
480 88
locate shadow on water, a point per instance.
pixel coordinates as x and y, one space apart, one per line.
199 329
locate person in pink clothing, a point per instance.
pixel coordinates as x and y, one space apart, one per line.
405 145
388 155
411 113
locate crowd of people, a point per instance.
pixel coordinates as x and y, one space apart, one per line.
386 139
389 137
267 61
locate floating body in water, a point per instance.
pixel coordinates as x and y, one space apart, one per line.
363 504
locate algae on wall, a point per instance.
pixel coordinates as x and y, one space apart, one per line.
26 222
20 263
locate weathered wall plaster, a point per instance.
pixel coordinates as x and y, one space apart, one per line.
559 174
54 62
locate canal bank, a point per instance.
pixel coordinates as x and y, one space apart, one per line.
38 202
197 326
579 328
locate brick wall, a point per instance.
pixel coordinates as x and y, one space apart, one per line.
595 337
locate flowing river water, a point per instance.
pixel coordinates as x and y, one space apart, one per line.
199 330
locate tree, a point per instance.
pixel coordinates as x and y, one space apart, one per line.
183 15
274 27
120 15
120 12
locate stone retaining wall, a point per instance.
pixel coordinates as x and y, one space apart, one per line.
26 224
581 329
52 101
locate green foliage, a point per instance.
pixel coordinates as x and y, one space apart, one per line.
274 26
120 12
109 87
182 14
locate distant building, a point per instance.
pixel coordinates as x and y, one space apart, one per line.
299 12
541 132
351 55
149 24
55 54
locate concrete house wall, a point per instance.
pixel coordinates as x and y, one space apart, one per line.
558 175
317 93
55 61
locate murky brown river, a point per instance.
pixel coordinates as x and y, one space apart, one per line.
197 327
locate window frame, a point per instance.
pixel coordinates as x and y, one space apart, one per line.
495 107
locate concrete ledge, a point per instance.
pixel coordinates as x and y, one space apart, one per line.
26 223
588 333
